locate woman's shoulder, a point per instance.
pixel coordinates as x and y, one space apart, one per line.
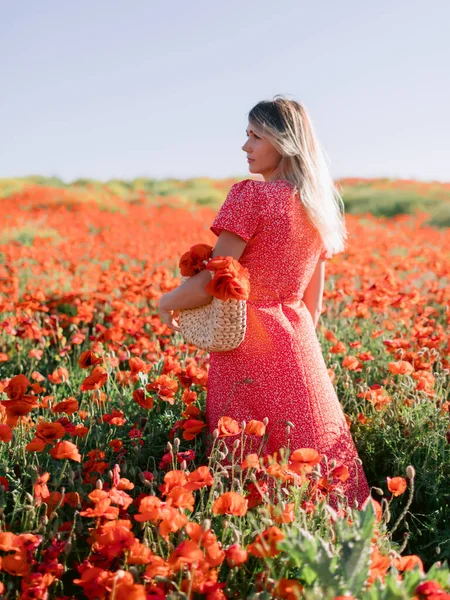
270 183
258 184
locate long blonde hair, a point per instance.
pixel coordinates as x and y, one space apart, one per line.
288 127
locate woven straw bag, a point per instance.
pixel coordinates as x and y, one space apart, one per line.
215 327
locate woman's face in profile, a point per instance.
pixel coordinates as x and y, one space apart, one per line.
264 157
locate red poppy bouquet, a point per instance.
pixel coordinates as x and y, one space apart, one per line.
231 279
221 324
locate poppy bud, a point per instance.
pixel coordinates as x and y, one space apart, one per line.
236 555
120 574
70 475
134 571
410 472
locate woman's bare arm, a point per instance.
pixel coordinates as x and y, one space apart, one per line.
314 292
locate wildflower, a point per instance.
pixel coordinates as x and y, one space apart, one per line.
165 386
282 514
69 406
303 460
181 498
251 461
40 488
265 543
291 589
379 564
228 427
236 555
254 497
142 399
49 432
188 552
139 554
230 503
172 521
157 566
199 478
149 509
95 380
408 562
191 428
255 428
115 536
89 359
401 367
35 445
5 433
396 485
102 508
65 450
116 445
340 472
16 388
59 375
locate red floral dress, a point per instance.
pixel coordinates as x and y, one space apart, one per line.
279 371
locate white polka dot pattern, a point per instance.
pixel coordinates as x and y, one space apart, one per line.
279 371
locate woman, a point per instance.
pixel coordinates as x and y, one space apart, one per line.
281 229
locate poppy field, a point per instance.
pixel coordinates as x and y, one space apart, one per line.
106 487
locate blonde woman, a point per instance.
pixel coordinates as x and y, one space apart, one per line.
282 229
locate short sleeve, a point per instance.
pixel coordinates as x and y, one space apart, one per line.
240 213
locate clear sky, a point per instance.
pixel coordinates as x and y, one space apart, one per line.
123 89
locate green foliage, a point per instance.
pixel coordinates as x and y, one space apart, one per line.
410 429
360 198
26 235
441 216
388 203
338 568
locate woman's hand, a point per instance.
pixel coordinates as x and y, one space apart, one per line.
168 316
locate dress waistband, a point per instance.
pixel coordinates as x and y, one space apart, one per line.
261 301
